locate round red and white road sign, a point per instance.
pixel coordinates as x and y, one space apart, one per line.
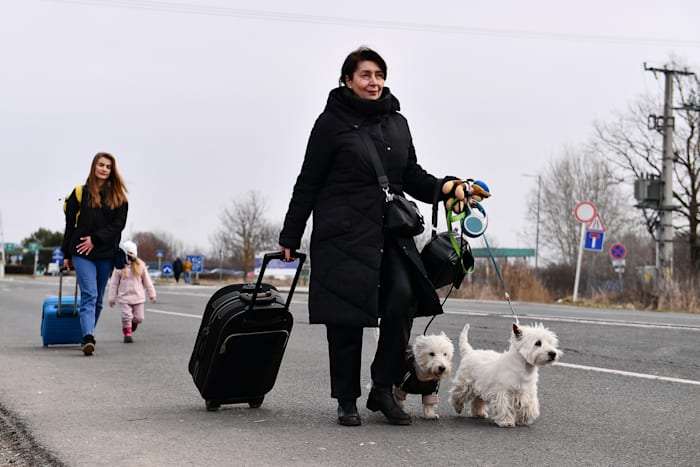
585 211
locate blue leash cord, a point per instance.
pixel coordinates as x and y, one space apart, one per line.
500 278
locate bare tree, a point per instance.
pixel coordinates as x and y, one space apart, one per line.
631 146
574 177
244 232
150 242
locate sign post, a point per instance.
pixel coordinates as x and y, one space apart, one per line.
618 253
159 255
197 265
585 212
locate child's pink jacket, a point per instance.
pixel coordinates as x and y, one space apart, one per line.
131 289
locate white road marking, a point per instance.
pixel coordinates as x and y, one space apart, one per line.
566 365
628 373
173 313
601 322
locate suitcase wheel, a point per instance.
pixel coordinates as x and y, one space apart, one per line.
212 406
255 403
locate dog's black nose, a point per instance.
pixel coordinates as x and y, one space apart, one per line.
552 355
441 368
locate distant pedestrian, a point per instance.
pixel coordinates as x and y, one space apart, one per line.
177 269
95 217
129 286
186 269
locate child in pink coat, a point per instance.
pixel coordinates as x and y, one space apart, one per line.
129 286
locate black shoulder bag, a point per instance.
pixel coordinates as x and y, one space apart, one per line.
402 217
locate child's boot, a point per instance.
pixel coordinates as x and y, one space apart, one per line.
127 335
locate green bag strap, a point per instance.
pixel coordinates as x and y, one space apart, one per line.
450 218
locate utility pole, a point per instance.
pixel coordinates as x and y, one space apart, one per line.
665 124
537 228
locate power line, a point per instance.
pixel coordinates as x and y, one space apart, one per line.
188 8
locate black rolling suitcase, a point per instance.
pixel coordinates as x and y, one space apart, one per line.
241 341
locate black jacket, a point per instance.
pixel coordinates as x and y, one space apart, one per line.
103 225
338 184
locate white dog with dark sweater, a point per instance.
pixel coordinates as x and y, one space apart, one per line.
504 385
428 360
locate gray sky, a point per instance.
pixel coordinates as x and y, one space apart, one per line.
203 101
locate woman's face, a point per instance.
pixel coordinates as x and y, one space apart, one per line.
103 168
367 81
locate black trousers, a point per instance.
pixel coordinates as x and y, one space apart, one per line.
396 309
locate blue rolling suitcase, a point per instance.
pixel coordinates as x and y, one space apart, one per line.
60 318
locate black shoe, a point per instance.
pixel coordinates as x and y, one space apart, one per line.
88 344
347 413
134 325
128 339
382 399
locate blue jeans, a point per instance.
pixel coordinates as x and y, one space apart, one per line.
92 276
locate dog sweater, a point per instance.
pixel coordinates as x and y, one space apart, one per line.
412 385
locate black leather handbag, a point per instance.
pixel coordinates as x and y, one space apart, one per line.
401 216
447 256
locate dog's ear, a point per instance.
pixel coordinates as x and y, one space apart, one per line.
516 330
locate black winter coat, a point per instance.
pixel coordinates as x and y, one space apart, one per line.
338 184
103 225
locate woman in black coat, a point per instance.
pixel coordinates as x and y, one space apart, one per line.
359 273
94 223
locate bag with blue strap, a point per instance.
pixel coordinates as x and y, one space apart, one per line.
447 256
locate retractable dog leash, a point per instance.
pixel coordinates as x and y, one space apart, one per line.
473 223
500 278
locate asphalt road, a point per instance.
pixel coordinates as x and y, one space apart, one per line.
627 392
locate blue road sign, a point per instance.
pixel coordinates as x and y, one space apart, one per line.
618 251
197 262
159 253
167 269
57 255
594 240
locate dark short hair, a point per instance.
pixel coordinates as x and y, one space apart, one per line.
360 55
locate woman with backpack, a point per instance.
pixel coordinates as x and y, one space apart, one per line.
95 217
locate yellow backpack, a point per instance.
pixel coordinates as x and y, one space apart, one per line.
79 197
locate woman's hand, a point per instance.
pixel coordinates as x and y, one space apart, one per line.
459 193
85 246
287 254
456 191
67 264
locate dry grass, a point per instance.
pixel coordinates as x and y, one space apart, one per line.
522 285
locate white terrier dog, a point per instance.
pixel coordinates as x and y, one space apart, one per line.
504 383
428 360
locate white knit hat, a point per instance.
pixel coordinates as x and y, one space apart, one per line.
129 248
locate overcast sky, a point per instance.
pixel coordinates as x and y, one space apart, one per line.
203 101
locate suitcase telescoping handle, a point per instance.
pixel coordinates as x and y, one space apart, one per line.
59 314
280 256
